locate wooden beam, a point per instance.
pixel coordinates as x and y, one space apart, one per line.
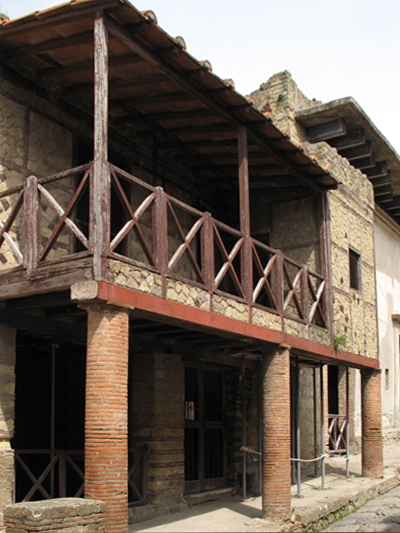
383 198
137 46
377 171
244 206
351 139
100 193
53 299
86 66
380 181
394 205
47 46
86 89
162 310
42 23
381 189
326 130
31 225
37 323
357 152
365 162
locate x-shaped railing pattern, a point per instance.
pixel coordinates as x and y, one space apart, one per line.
173 237
60 457
337 433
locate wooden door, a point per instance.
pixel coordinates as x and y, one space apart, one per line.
205 462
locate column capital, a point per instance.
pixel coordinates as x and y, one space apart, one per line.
85 294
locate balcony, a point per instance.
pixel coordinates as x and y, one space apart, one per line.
151 242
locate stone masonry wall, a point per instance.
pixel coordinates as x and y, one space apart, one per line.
7 388
278 97
157 421
32 145
351 219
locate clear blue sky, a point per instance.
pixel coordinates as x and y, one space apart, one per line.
333 49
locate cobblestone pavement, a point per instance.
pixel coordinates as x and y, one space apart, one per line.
380 514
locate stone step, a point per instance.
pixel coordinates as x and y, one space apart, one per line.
209 495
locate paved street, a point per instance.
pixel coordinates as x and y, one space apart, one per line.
380 514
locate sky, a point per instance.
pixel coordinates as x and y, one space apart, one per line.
333 48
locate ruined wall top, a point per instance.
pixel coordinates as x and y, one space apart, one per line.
280 96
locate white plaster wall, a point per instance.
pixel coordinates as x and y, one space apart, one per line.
387 252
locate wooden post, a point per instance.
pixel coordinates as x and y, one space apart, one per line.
31 224
305 302
207 252
325 245
160 235
100 195
244 204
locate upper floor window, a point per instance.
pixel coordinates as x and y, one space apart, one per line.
355 270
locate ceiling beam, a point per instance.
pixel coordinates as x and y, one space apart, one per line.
357 152
351 139
378 171
137 46
366 162
326 130
48 46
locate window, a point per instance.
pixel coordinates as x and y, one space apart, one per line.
387 379
355 270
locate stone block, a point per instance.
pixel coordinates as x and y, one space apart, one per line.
64 514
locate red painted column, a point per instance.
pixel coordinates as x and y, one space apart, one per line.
371 411
276 468
106 414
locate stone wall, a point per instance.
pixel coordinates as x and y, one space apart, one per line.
278 97
7 380
33 145
351 219
157 421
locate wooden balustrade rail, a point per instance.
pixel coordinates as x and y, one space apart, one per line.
45 475
157 232
337 433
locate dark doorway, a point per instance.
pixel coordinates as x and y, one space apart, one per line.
49 417
333 389
205 463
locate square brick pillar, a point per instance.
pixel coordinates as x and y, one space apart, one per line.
371 412
106 413
276 467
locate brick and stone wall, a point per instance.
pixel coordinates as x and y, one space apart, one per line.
351 227
157 421
351 218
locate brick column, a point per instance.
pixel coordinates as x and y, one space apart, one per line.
106 415
371 412
276 468
7 378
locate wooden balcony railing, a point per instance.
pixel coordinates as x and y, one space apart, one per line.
337 433
46 474
51 221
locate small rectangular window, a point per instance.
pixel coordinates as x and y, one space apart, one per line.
386 379
355 270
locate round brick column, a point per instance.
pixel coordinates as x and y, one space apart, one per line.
276 468
371 411
106 413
